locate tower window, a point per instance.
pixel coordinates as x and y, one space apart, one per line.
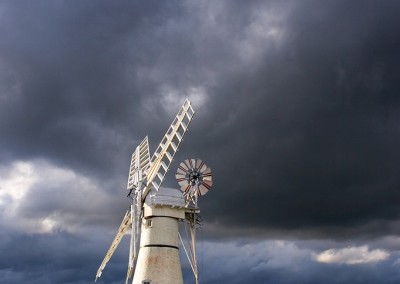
146 282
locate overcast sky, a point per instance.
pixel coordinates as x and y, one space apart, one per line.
297 114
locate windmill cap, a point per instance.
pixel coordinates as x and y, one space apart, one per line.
165 196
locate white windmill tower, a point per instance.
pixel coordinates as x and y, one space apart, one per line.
155 212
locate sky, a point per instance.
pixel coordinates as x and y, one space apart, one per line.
297 114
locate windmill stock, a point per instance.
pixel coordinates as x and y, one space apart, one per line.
155 211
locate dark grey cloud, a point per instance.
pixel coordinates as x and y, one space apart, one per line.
56 258
312 139
297 115
59 61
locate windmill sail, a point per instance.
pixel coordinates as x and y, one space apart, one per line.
165 152
140 163
126 222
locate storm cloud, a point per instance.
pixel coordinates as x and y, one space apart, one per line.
297 114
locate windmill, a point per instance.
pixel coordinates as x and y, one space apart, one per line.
155 212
